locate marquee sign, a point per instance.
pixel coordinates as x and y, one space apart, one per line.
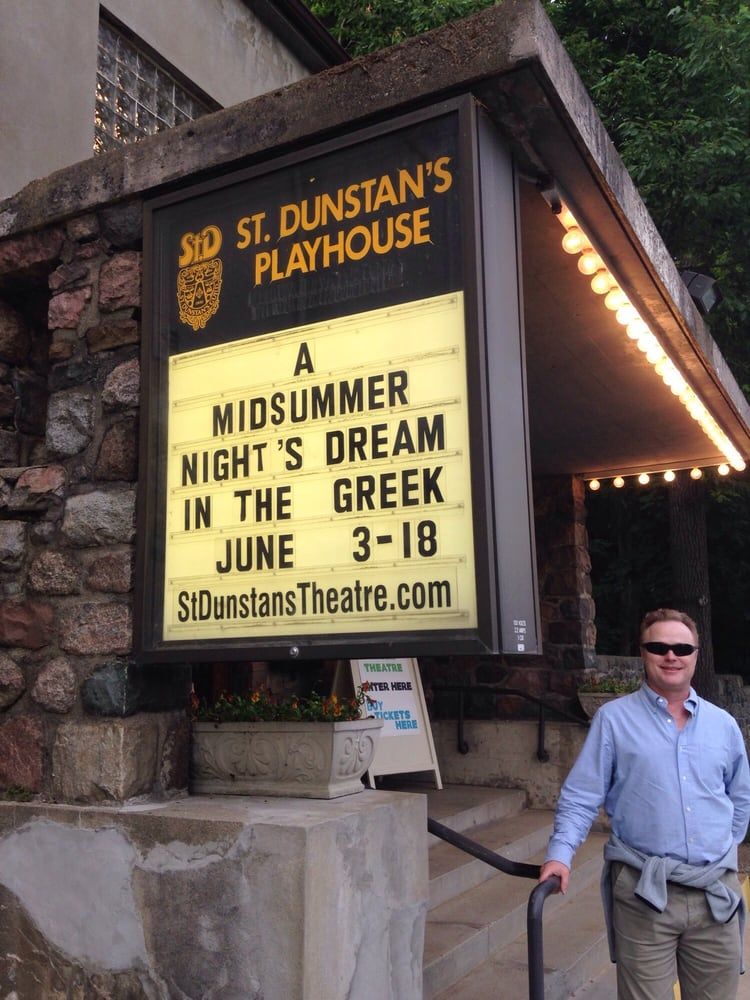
316 470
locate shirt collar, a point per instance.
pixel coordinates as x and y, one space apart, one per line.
690 703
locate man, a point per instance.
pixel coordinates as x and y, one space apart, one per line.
672 773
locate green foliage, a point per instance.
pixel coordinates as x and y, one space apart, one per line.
17 793
672 85
262 706
362 26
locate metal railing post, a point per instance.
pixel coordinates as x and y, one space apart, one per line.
534 935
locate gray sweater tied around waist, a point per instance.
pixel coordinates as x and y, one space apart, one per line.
723 902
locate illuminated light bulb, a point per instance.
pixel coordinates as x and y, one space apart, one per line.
677 385
696 474
654 354
723 469
594 485
637 329
615 299
696 409
670 374
626 314
687 395
647 342
669 476
618 482
661 366
567 219
602 282
644 478
739 465
590 262
574 241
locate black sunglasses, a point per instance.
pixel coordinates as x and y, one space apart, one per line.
662 648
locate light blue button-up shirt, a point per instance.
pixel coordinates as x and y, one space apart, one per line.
682 794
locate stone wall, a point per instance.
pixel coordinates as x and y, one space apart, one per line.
69 391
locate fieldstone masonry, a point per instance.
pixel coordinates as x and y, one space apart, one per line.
79 722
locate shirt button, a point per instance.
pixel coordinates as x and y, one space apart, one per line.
684 777
687 809
669 722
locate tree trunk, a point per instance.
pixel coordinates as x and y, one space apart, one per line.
688 550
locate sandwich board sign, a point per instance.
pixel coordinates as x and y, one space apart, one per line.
394 694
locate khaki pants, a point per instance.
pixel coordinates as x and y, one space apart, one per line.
655 949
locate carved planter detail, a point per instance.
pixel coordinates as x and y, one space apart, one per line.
316 760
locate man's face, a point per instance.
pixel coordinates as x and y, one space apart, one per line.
669 675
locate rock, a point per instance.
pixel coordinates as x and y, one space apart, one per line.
56 686
55 573
10 449
77 373
100 518
68 276
37 488
114 333
12 684
63 346
12 544
105 760
7 402
25 623
118 454
124 688
120 282
122 225
28 251
122 386
65 308
15 337
85 227
21 753
32 403
112 573
70 421
93 629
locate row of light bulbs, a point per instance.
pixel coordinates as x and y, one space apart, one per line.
668 476
603 283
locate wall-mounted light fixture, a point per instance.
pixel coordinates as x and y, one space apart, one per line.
704 290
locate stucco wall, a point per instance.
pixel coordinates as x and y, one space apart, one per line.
48 53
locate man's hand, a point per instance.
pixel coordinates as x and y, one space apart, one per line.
556 868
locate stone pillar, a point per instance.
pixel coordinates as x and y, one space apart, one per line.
564 567
79 720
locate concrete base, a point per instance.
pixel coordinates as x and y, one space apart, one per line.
210 896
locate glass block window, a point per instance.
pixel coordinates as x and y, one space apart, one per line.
135 95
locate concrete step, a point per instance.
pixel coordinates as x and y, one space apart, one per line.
464 933
462 807
575 950
453 872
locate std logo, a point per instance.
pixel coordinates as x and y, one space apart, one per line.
199 277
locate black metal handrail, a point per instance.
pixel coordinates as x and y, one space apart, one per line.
496 692
534 931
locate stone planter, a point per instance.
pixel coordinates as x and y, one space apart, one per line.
316 760
591 700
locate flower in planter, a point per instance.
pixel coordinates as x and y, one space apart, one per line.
261 705
609 685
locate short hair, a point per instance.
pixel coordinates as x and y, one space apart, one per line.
667 615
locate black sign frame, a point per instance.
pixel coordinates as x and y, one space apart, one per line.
485 637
